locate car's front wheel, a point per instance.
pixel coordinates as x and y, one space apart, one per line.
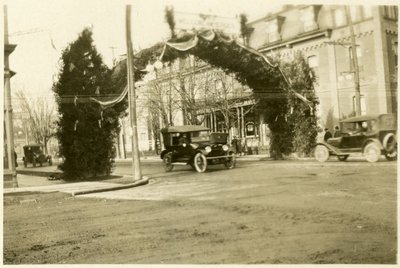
200 162
167 159
372 152
230 161
321 153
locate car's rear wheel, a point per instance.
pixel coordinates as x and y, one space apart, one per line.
200 162
342 157
372 152
321 153
389 142
392 155
230 161
167 159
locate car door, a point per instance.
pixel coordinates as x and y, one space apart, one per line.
184 150
353 140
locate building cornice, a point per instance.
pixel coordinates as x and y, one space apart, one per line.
298 39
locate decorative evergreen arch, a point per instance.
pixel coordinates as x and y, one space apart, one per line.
285 110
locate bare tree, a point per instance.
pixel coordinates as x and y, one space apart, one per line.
41 118
227 96
193 88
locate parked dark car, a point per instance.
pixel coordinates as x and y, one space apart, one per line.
34 155
195 146
372 135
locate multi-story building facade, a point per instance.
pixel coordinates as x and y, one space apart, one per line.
323 34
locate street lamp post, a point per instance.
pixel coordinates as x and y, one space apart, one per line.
7 103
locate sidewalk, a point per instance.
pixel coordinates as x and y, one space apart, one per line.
35 179
28 183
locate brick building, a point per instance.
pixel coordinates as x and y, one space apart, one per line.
322 34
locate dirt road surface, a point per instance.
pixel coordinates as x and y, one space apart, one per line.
259 213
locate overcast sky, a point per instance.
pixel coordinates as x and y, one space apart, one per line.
33 24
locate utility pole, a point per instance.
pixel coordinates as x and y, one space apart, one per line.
7 102
354 63
136 171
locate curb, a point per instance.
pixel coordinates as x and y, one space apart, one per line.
143 181
39 173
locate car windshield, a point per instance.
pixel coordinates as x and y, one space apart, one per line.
200 136
370 125
36 150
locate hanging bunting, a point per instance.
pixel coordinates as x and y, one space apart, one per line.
291 110
210 35
105 104
99 121
75 100
76 123
97 92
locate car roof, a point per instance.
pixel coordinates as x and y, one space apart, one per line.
183 129
32 145
361 118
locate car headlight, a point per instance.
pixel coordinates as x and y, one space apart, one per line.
208 149
225 147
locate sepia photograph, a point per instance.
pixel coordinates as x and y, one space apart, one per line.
173 132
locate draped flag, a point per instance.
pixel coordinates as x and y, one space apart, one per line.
110 103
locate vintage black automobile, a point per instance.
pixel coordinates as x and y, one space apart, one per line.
195 146
34 155
372 135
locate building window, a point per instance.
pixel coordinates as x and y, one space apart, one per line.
340 18
313 63
395 58
395 48
308 19
367 11
359 60
355 13
362 103
273 31
390 12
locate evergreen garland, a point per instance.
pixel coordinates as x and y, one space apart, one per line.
292 122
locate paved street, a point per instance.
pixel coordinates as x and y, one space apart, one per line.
183 182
